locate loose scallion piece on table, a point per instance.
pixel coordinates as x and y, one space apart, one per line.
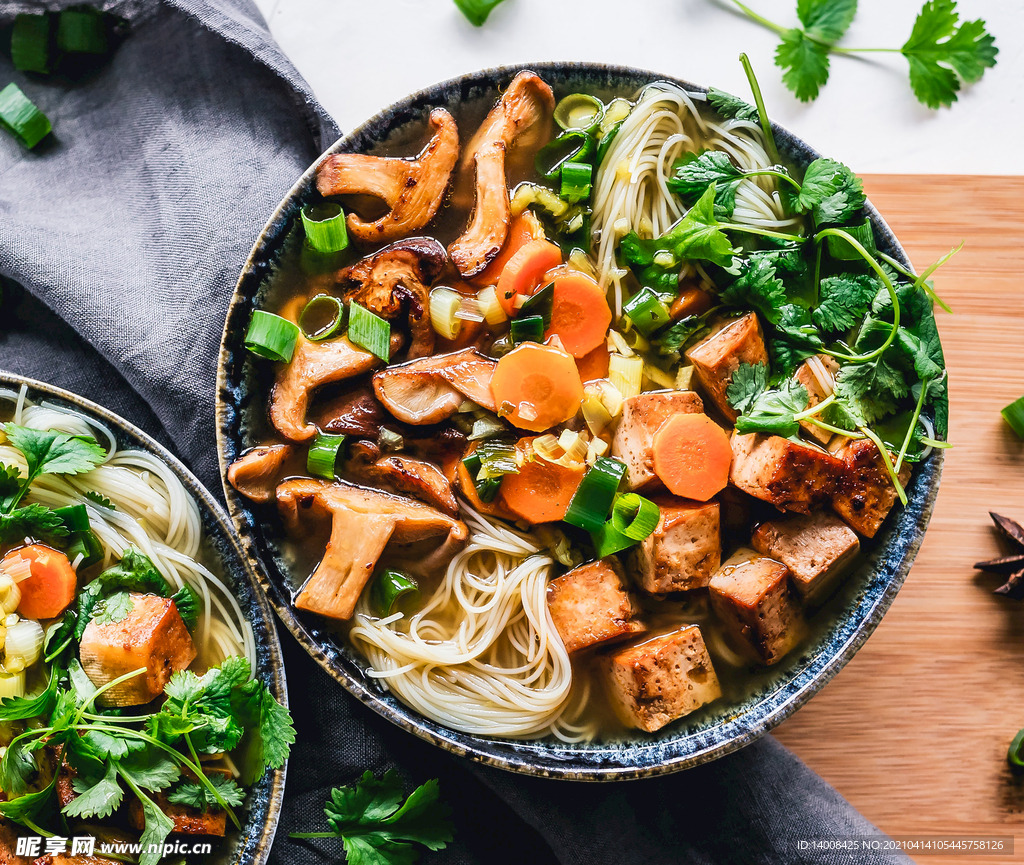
323 455
608 540
325 226
527 329
369 331
593 498
31 41
322 317
647 312
82 31
540 303
634 516
21 118
579 111
1013 414
576 177
271 336
476 10
388 588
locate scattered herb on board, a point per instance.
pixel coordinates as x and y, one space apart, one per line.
942 51
476 11
376 828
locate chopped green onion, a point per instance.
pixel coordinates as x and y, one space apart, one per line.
527 194
626 373
82 31
1013 414
540 303
568 148
30 42
634 516
388 588
576 177
593 498
486 488
485 428
86 545
444 304
325 226
606 142
322 317
579 111
646 311
271 336
21 118
490 306
370 331
476 10
497 458
607 540
389 440
528 329
75 518
323 455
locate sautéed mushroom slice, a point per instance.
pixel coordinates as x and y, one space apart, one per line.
430 390
485 235
412 188
402 474
354 413
254 474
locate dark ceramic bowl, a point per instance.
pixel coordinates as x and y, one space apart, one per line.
724 726
222 554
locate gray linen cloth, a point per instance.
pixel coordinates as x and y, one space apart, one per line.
120 242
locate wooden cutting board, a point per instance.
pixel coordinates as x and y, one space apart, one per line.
914 730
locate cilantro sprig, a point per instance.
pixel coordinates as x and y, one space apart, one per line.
377 828
943 53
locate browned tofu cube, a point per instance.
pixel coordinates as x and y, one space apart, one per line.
720 355
642 417
865 493
809 374
756 606
187 820
683 551
661 679
817 548
787 474
590 605
152 636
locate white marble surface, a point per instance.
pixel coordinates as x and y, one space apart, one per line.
360 55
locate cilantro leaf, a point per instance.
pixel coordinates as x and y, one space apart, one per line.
113 609
675 337
941 54
272 722
187 603
844 300
772 411
831 193
27 807
476 11
804 63
747 384
96 798
796 337
22 708
871 389
826 19
10 486
757 287
150 769
158 827
693 174
134 573
100 501
199 797
731 106
48 452
111 744
32 521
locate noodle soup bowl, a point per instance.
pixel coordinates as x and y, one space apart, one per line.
221 554
748 709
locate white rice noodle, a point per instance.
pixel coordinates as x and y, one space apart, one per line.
822 375
153 513
482 654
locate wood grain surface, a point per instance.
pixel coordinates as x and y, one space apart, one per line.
914 730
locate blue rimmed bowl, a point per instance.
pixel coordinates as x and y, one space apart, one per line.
839 629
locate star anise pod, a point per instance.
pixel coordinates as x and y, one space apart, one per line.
1012 565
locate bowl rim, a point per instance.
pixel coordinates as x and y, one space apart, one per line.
258 848
526 757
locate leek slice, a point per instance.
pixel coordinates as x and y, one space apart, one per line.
20 117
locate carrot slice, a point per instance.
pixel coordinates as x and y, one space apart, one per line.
594 364
524 271
541 491
580 314
521 230
692 456
537 386
51 588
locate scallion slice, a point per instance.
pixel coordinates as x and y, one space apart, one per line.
369 331
75 518
608 540
444 306
486 427
593 498
647 312
389 440
606 142
388 588
325 226
30 43
540 303
634 516
486 488
271 336
1013 414
86 545
322 317
579 111
21 118
528 329
497 458
576 177
82 31
569 147
323 455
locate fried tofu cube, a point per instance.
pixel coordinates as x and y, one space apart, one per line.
720 355
756 605
661 679
642 417
784 473
683 551
590 605
152 635
805 374
865 493
817 548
